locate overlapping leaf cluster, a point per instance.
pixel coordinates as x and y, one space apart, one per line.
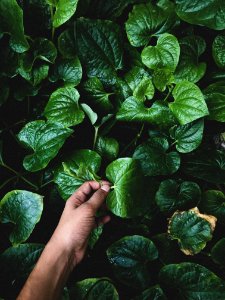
133 92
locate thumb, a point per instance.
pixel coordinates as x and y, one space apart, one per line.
98 198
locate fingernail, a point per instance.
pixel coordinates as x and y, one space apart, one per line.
105 188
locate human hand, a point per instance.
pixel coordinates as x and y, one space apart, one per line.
78 220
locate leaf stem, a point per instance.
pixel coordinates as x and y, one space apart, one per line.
134 141
52 16
7 181
168 94
95 136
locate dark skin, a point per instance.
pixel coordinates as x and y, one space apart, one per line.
68 243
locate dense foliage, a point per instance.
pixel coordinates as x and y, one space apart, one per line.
132 91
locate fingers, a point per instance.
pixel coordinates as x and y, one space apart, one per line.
104 220
99 196
83 192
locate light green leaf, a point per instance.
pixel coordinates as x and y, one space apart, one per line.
93 117
165 55
217 252
104 40
153 293
65 9
45 140
63 107
173 195
218 50
154 158
215 99
107 147
190 281
94 288
213 203
133 110
189 67
11 16
69 70
189 103
23 209
187 137
129 257
36 75
207 165
80 167
192 230
147 20
208 13
145 90
134 77
162 78
126 199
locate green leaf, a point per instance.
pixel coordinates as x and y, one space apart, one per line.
94 288
129 257
172 195
213 203
189 67
134 77
215 99
80 167
162 78
93 117
69 70
190 281
107 147
218 50
36 75
165 55
45 140
23 209
126 200
65 9
145 90
97 94
147 20
133 110
208 13
189 103
154 158
94 236
192 230
207 165
217 252
63 107
153 293
11 16
187 137
106 55
66 44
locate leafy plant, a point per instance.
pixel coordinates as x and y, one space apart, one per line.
132 91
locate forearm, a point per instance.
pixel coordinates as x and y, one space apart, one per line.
49 275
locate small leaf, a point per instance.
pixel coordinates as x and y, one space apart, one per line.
129 257
162 78
172 195
154 158
218 51
192 230
188 137
66 44
65 9
107 147
23 209
145 90
63 108
94 236
189 104
126 200
45 139
93 117
165 55
217 252
153 293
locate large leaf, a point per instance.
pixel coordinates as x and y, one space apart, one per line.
45 140
165 55
192 230
189 103
63 108
129 257
213 202
80 167
147 20
134 110
23 209
154 158
190 281
94 288
217 252
207 165
189 67
103 38
126 200
208 13
11 16
215 99
173 195
187 137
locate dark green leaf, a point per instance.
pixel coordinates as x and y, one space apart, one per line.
129 257
66 44
107 147
45 140
192 230
217 252
218 51
94 236
153 293
154 158
23 209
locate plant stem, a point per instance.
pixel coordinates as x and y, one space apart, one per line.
95 136
7 181
52 16
43 185
134 141
168 94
